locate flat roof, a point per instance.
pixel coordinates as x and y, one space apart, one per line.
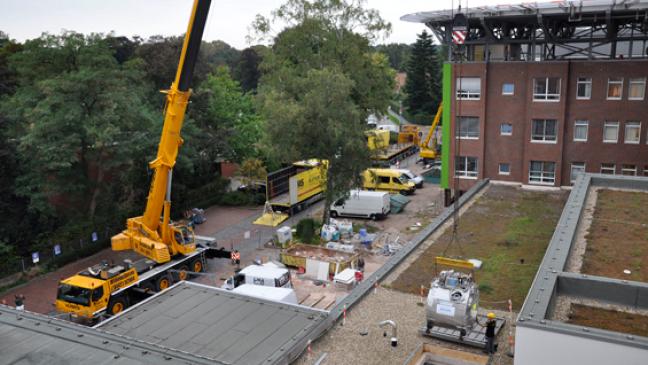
31 338
219 325
552 280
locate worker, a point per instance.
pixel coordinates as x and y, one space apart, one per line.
490 332
236 258
361 264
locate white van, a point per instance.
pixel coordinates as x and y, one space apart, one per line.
362 203
283 295
262 275
416 179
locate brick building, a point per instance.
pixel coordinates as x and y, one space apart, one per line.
540 92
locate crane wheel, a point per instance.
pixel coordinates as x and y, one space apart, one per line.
182 272
163 282
197 266
117 305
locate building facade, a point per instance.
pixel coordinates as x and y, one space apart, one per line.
542 123
536 93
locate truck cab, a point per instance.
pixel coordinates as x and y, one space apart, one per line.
82 296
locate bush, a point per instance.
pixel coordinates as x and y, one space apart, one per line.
236 198
306 230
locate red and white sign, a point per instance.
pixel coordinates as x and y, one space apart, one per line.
459 36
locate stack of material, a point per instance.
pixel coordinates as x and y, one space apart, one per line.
340 247
345 279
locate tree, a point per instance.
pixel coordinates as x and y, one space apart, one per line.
398 54
79 118
247 69
229 125
422 86
320 81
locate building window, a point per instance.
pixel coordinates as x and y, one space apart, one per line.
615 88
577 168
468 88
580 130
546 89
504 169
584 88
608 168
610 132
542 172
543 130
508 89
468 127
506 129
632 132
629 170
637 89
466 167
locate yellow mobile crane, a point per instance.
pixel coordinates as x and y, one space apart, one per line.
430 153
168 247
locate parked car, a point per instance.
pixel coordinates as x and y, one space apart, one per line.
416 179
362 203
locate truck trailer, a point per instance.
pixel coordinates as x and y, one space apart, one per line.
293 189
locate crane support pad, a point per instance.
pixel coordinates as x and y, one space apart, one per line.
475 337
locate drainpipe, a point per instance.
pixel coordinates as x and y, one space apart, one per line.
392 324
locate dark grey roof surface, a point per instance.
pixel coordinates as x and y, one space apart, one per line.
217 325
29 338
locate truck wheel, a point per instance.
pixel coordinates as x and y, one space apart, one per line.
334 214
182 272
117 305
373 217
197 266
163 282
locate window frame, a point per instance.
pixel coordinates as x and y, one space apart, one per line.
643 90
587 82
551 181
632 124
545 98
459 129
608 166
499 169
581 123
625 168
467 95
571 170
466 174
506 134
608 97
508 93
544 134
607 124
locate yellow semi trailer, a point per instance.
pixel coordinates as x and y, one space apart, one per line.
292 189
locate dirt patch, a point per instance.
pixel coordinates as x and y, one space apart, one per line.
611 320
617 236
508 228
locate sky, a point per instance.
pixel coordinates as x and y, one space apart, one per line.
228 19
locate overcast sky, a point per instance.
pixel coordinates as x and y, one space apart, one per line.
228 19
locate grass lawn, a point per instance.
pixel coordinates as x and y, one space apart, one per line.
509 230
608 320
618 237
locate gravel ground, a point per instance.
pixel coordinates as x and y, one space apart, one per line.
563 304
575 261
345 345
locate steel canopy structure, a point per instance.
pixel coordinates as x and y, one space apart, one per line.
557 30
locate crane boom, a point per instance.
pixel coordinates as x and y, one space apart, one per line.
427 152
147 235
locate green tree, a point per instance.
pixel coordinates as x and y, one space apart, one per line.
320 81
79 118
247 69
398 54
230 128
422 87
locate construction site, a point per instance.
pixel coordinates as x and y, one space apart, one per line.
511 228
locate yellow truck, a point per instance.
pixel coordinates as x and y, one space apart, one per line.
103 290
383 153
292 189
389 180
